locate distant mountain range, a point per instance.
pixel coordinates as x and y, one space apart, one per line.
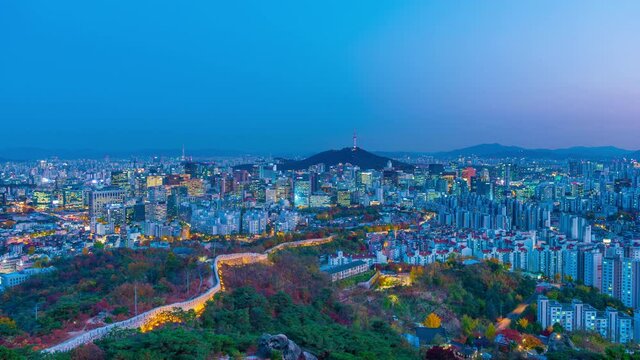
360 157
498 151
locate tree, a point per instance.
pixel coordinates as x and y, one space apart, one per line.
490 332
616 353
523 323
512 335
276 355
440 353
9 354
391 301
558 328
530 342
87 352
416 273
8 326
432 321
468 325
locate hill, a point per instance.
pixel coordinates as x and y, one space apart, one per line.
94 289
502 151
362 158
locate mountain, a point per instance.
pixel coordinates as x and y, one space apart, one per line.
502 151
357 156
634 155
485 150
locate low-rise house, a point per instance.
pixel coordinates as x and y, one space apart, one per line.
347 270
17 278
428 336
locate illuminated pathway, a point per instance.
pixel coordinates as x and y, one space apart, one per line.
162 314
506 321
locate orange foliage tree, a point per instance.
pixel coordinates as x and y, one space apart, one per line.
432 321
530 342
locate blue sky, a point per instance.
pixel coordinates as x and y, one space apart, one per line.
300 76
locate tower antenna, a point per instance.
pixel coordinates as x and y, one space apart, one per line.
184 158
355 140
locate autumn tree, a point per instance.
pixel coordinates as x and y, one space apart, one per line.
88 352
530 342
440 353
523 323
416 273
490 332
432 321
8 326
391 301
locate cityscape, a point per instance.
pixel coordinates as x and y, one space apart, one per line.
563 232
334 181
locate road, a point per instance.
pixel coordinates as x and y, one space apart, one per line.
505 322
156 316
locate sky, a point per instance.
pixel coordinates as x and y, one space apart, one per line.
300 76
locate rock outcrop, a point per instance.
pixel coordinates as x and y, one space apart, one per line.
281 343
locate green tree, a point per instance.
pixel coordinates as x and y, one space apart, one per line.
490 332
8 326
468 325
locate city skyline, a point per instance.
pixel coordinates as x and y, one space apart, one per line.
389 180
482 150
260 78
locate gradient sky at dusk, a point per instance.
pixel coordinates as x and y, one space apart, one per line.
300 76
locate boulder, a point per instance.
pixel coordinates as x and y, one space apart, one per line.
281 343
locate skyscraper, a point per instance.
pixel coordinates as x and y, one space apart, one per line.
630 283
99 201
120 180
611 273
591 262
301 192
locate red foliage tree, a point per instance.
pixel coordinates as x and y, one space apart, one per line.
88 352
440 353
512 335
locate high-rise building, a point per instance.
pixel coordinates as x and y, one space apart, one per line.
120 180
42 199
319 200
72 198
366 179
301 193
570 264
543 311
344 198
630 283
611 324
611 274
254 222
591 261
195 187
99 199
154 180
283 189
